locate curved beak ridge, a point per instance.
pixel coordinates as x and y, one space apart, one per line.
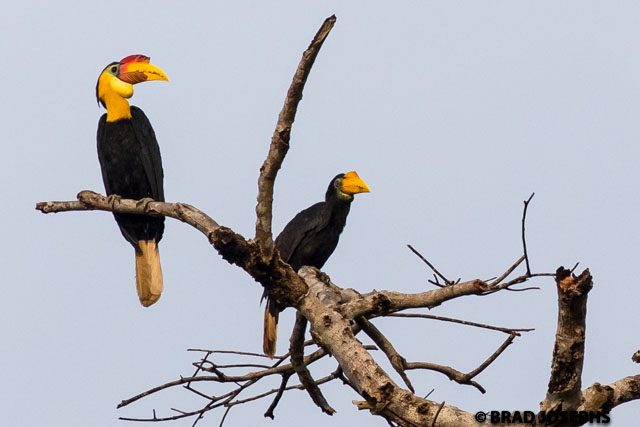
353 184
137 72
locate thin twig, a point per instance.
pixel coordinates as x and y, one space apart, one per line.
520 279
524 241
243 365
446 281
222 378
321 381
453 374
397 361
250 378
224 416
276 400
458 376
437 413
462 322
529 288
296 349
509 271
200 417
199 367
242 353
199 393
200 412
186 380
494 356
574 267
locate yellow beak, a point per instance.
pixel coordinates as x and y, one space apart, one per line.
136 72
352 184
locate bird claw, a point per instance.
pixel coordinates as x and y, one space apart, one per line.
324 277
145 203
112 199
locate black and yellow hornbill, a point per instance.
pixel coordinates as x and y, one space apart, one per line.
311 237
131 164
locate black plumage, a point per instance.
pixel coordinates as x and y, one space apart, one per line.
311 237
131 167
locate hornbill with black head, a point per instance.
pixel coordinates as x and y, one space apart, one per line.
311 237
131 165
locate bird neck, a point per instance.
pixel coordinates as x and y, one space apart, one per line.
339 209
117 107
113 93
339 204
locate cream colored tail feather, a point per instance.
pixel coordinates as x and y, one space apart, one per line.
270 332
148 272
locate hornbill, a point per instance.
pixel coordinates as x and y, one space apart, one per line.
311 237
131 165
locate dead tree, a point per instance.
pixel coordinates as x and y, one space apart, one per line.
335 317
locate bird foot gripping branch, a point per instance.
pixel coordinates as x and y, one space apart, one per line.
112 199
144 202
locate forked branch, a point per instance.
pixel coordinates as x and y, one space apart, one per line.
280 140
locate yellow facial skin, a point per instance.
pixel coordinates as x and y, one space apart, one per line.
115 86
353 184
121 88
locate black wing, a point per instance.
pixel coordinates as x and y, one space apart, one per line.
103 170
150 152
131 167
308 221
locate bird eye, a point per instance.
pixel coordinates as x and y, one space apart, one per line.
114 69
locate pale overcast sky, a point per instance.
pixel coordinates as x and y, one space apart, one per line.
453 112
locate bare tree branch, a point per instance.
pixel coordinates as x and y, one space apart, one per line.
453 374
333 332
397 361
568 352
446 281
280 141
297 355
509 271
228 400
494 356
459 377
89 200
462 322
321 381
604 398
222 378
276 399
292 290
284 284
378 303
240 353
185 380
435 418
564 385
524 241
